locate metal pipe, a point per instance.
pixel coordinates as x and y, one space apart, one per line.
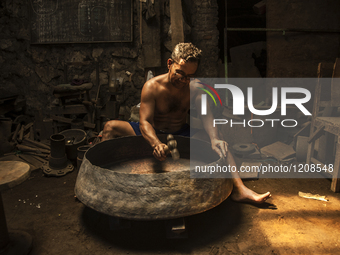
57 146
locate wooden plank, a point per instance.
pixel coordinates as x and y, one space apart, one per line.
21 134
67 120
335 186
38 144
332 124
151 31
326 146
40 159
317 134
17 129
316 102
31 133
310 152
335 95
302 131
39 156
13 173
176 20
326 142
325 70
278 150
25 148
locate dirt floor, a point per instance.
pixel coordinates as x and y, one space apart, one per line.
46 208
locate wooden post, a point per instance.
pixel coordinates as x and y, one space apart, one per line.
176 20
335 187
335 95
4 238
151 34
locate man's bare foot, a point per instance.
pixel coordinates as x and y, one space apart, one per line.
246 195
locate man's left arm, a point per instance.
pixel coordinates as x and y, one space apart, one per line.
218 145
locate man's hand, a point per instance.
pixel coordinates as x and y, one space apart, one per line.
158 152
220 147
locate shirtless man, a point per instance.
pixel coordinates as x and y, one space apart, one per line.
165 102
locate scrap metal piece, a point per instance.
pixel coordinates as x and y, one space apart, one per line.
37 144
313 196
57 165
50 171
176 229
74 138
244 148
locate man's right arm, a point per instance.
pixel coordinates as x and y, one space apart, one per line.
146 112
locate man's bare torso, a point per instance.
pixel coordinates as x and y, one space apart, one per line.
171 105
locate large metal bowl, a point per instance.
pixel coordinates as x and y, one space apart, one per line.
109 183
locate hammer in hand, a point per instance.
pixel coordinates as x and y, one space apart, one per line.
172 147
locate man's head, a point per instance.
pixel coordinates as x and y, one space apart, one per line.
186 51
183 64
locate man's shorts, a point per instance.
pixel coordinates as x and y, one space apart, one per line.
184 131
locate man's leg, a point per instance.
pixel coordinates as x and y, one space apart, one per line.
117 128
240 192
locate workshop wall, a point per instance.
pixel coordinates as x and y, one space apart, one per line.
205 35
31 70
297 54
289 55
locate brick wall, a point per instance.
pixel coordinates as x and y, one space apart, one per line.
205 35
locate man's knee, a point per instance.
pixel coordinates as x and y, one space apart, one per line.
111 129
110 125
117 128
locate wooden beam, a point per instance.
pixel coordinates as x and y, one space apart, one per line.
176 20
335 95
151 34
317 134
303 130
335 186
